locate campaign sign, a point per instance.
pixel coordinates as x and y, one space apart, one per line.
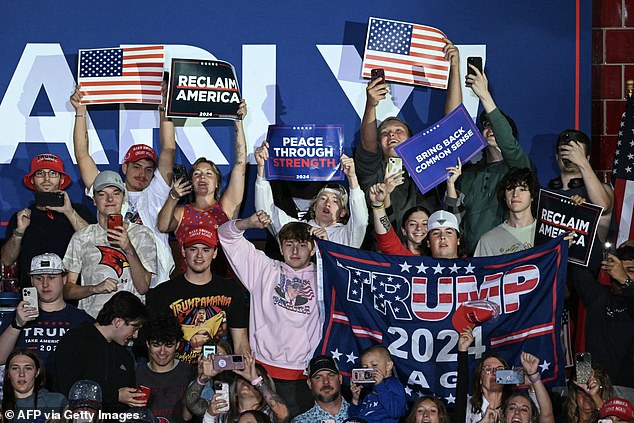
305 152
203 89
428 154
557 215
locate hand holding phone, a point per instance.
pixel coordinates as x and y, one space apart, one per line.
583 367
222 389
29 295
49 199
378 73
228 362
476 62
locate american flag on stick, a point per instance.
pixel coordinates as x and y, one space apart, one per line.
623 173
121 75
409 53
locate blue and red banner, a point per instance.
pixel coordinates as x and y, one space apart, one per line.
406 303
428 154
305 152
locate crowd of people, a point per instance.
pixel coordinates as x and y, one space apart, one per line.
226 332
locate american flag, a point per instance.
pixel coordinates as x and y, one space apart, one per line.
409 53
121 75
623 174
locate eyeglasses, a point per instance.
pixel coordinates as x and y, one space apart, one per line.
486 124
491 370
43 173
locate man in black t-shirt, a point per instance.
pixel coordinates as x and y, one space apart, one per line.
40 229
166 376
204 303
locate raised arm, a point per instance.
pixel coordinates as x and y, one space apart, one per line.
375 92
13 245
272 398
87 166
233 195
171 213
168 142
454 90
377 194
531 366
264 193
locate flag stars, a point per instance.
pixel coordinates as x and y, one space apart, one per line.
438 268
469 269
351 357
405 267
545 366
450 399
336 354
454 268
422 268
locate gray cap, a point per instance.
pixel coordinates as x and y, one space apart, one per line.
108 178
442 219
46 264
85 393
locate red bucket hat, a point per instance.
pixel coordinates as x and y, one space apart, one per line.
47 161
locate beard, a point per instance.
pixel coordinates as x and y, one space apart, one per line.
328 398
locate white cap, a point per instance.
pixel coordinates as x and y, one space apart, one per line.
442 219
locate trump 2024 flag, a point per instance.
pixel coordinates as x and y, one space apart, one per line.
121 75
407 304
409 53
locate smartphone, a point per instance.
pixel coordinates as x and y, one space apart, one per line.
208 351
378 73
362 376
29 295
180 171
228 362
608 248
394 165
583 366
114 221
146 391
475 61
52 199
222 388
509 377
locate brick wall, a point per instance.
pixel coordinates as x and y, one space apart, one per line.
612 65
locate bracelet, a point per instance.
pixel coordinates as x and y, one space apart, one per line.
17 233
199 382
173 197
257 381
377 206
14 324
534 373
80 115
535 377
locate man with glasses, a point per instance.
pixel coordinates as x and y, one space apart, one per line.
43 227
477 202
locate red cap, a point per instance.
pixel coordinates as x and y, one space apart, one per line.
200 236
472 313
47 161
618 407
138 152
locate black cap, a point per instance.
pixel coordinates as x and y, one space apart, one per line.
322 362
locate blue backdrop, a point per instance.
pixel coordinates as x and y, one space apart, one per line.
297 62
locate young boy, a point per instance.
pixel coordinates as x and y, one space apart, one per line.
386 402
284 324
